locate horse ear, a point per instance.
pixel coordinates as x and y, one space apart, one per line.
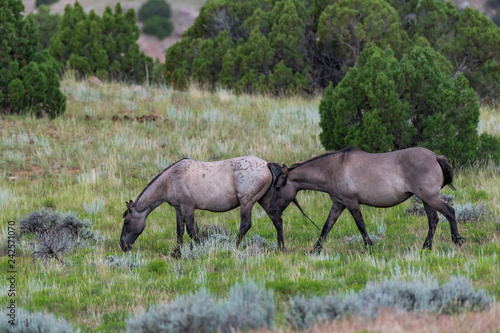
284 170
129 205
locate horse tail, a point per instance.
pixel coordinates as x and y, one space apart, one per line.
447 171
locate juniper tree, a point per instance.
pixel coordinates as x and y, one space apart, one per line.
385 104
104 46
28 80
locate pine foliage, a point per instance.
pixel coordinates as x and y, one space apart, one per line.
291 46
28 79
385 104
106 47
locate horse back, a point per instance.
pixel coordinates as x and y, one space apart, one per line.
220 185
386 179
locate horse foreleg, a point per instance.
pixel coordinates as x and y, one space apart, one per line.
355 211
190 225
433 221
176 253
278 224
246 222
335 212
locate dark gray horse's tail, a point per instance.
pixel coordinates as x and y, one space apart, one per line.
447 171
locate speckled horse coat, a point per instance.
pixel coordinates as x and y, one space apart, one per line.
219 186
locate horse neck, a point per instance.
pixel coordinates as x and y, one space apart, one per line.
310 176
151 197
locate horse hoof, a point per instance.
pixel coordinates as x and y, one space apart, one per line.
316 250
176 254
458 240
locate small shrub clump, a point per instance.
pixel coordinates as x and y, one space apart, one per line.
463 213
219 239
34 322
417 208
156 17
470 213
39 3
453 297
248 306
53 233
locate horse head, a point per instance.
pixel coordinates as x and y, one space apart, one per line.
283 195
133 225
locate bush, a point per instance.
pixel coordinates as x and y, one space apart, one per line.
417 208
39 3
158 26
29 82
52 234
453 297
248 306
463 213
385 104
105 47
153 8
290 46
47 25
34 322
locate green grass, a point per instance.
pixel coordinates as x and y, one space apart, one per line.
99 154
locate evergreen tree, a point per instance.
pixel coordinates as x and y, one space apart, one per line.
320 40
385 104
47 25
28 79
106 47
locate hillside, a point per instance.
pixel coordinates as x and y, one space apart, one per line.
114 139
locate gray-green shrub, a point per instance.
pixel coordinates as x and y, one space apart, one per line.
34 322
51 234
249 306
455 296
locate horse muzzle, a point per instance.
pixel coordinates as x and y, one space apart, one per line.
125 246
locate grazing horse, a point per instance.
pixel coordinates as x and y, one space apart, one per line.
219 186
353 177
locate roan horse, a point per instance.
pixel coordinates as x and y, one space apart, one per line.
353 177
214 186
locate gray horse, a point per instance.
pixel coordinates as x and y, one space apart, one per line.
219 186
353 177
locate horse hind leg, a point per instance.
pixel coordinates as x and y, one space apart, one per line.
449 213
433 221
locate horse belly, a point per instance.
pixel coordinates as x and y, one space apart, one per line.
384 194
215 195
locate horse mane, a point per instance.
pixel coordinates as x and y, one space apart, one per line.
276 171
153 180
343 151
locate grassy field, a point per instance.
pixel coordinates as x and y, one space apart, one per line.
114 139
